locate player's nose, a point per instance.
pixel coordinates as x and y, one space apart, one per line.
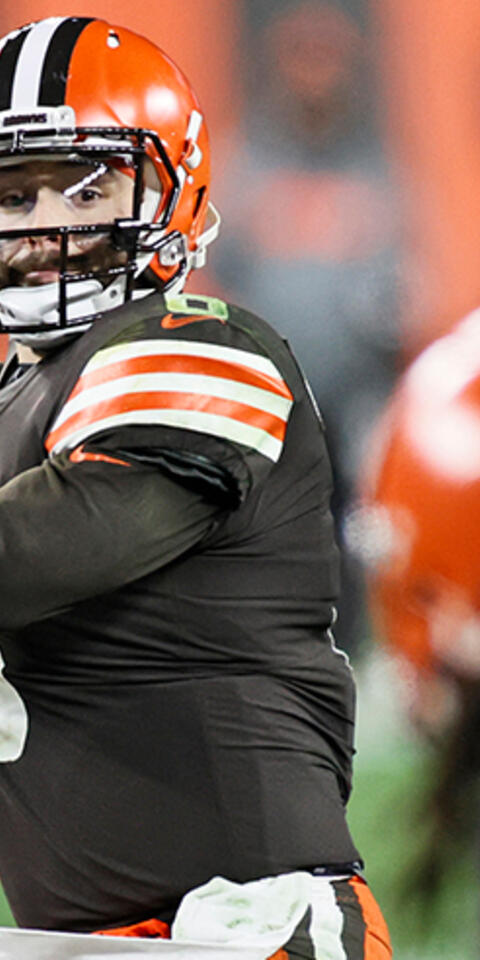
49 209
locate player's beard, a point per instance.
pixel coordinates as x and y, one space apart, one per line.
95 254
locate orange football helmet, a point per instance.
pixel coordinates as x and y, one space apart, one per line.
419 526
81 88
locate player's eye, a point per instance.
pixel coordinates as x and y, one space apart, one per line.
13 200
88 190
87 196
83 196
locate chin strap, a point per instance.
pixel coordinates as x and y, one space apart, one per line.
212 226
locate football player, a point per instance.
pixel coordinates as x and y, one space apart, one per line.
168 565
421 527
421 512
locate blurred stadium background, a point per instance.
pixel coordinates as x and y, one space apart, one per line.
346 166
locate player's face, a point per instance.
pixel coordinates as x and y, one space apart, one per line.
38 194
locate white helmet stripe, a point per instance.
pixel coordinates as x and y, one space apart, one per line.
28 72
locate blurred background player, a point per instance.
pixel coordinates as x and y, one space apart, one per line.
419 531
169 565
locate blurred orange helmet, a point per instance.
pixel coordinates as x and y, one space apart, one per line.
419 526
72 86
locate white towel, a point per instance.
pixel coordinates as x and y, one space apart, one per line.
265 911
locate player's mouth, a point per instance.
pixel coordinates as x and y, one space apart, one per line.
35 278
35 272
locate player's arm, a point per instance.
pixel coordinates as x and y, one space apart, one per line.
153 443
69 531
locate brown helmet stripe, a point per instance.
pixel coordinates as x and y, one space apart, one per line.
8 62
57 60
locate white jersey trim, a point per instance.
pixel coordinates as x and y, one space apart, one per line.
189 383
194 348
214 424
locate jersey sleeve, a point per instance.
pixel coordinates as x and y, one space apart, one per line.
71 531
210 406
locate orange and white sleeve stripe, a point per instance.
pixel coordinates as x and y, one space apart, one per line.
226 392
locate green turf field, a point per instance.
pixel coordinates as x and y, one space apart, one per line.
386 815
6 919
